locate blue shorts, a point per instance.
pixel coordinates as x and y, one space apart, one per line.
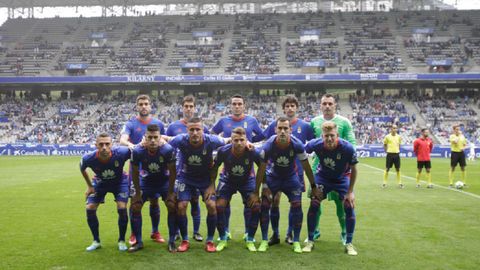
340 186
185 191
290 187
118 189
154 190
225 189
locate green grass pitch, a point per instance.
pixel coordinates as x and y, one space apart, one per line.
43 225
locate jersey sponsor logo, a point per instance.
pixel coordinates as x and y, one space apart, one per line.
194 160
153 167
339 156
291 153
245 125
299 130
329 163
160 159
108 174
116 163
238 170
282 161
246 162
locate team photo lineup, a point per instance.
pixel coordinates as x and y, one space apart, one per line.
240 134
182 167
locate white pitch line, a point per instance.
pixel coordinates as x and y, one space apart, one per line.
442 187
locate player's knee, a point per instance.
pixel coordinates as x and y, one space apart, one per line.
276 199
154 203
255 208
315 203
121 205
296 204
182 208
221 203
194 200
211 207
265 204
136 207
91 206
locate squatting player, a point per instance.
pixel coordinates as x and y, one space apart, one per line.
337 172
132 134
391 144
254 133
107 164
180 127
195 159
328 106
281 151
155 179
237 175
304 132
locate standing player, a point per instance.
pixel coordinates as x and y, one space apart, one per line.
281 151
304 132
328 106
422 147
157 178
253 132
457 145
107 164
336 171
391 144
195 159
237 175
180 127
132 134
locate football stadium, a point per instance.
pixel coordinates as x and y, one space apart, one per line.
235 134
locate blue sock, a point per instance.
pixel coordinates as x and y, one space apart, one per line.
182 223
312 218
253 223
351 220
122 223
155 216
247 214
211 225
227 218
265 218
221 222
172 226
274 219
195 212
136 220
297 219
92 221
290 228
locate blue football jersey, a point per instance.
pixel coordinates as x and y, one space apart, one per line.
281 161
135 128
153 165
180 127
195 162
226 124
109 171
333 164
236 169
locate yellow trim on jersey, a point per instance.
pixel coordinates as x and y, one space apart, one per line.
393 143
457 143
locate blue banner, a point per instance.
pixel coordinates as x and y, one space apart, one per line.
98 35
76 66
443 62
422 30
387 119
310 32
68 111
3 119
363 151
318 63
193 65
328 77
198 34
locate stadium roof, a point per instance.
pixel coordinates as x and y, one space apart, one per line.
72 3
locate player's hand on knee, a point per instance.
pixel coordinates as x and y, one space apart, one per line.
210 192
253 199
350 199
317 193
267 194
